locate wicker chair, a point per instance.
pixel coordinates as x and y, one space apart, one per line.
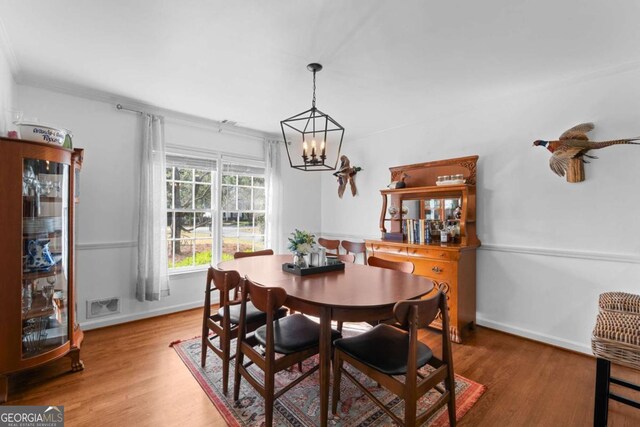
619 302
615 339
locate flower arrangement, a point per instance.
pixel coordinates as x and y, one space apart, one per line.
301 242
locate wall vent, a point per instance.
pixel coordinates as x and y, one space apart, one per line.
103 307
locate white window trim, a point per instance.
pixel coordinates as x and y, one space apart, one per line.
220 158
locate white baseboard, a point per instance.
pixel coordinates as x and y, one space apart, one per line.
124 318
481 321
536 336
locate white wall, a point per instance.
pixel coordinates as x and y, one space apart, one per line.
549 247
107 214
7 90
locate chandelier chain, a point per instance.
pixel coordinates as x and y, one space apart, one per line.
313 101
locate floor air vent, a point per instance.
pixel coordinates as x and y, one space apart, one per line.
103 307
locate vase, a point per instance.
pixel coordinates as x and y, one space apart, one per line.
299 261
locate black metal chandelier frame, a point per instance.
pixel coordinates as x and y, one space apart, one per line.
314 158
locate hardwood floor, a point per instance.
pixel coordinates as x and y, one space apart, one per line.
133 377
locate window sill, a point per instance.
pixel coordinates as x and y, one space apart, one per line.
185 271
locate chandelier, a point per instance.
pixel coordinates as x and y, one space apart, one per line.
312 136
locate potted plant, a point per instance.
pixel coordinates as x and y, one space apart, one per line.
301 244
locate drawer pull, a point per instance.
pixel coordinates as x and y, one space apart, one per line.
436 269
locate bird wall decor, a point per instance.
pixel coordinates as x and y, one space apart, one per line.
400 183
569 151
346 174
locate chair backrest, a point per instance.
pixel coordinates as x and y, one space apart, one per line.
249 254
266 299
354 247
332 245
425 311
224 281
403 266
347 258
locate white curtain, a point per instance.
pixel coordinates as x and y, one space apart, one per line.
153 275
273 194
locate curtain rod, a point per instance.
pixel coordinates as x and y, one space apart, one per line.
206 123
121 107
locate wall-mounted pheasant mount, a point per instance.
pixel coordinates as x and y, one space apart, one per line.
570 150
346 174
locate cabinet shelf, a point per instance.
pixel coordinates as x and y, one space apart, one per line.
38 312
46 199
32 275
46 235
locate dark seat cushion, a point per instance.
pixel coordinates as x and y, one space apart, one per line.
293 333
383 348
253 314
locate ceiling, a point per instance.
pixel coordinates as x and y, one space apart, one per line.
386 63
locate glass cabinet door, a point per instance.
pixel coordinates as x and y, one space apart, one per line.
45 260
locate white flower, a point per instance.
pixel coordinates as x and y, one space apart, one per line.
304 248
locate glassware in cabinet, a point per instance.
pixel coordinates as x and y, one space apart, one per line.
45 272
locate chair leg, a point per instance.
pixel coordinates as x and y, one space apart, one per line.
237 377
339 325
300 366
450 385
226 349
601 409
269 385
410 408
337 373
203 351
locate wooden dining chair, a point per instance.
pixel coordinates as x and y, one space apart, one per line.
404 355
254 253
224 322
333 246
350 258
403 266
295 337
355 248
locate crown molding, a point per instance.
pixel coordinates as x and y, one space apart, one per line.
9 54
80 91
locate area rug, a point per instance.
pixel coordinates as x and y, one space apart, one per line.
300 406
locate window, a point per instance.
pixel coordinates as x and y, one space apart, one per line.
212 214
191 209
243 209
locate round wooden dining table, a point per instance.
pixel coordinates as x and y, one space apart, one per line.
359 293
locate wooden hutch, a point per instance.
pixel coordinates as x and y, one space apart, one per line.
420 204
38 195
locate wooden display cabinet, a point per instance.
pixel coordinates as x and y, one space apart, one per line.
453 263
37 252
